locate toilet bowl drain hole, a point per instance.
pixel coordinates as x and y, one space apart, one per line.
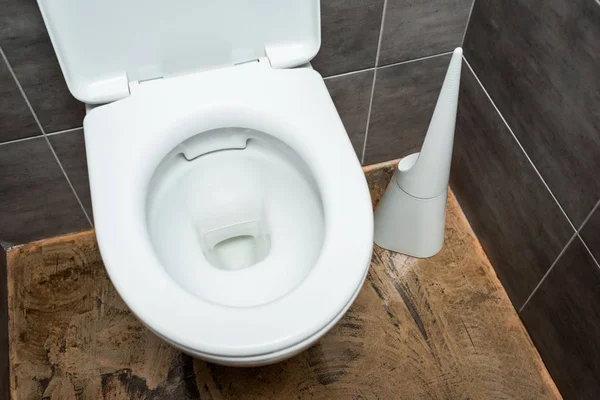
236 246
238 252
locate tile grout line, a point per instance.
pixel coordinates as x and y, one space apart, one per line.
35 117
385 66
14 76
22 139
348 73
69 182
64 131
588 216
583 225
519 144
364 149
415 60
462 42
40 136
588 250
362 158
535 289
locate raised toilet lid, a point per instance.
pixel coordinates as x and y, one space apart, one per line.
102 46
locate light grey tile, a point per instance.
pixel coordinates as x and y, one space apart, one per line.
420 28
519 225
70 149
540 62
36 200
563 320
403 103
349 35
16 120
27 46
351 94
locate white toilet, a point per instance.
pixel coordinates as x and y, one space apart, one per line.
231 211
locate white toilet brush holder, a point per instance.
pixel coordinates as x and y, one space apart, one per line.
410 218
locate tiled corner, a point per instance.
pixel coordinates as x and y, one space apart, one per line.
590 233
36 200
27 46
16 120
540 63
4 361
351 94
563 320
70 150
415 29
403 103
517 221
349 35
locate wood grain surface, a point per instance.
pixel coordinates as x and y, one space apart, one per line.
438 328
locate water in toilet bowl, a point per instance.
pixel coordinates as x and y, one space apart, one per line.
239 225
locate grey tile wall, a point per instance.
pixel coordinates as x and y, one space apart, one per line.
70 149
514 216
417 28
41 197
403 102
351 94
563 319
25 42
36 200
540 63
527 148
349 35
15 119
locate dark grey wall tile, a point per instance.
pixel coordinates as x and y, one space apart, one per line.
403 103
351 94
539 61
4 362
517 221
36 200
563 319
591 233
70 149
419 28
27 46
16 120
349 35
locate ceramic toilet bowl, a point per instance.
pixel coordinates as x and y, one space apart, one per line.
230 209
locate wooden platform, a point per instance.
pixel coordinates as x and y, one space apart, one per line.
439 328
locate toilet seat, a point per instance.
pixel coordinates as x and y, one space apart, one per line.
269 358
127 139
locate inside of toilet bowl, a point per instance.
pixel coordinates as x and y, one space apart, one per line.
235 217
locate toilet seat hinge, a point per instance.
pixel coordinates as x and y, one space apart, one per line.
261 61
